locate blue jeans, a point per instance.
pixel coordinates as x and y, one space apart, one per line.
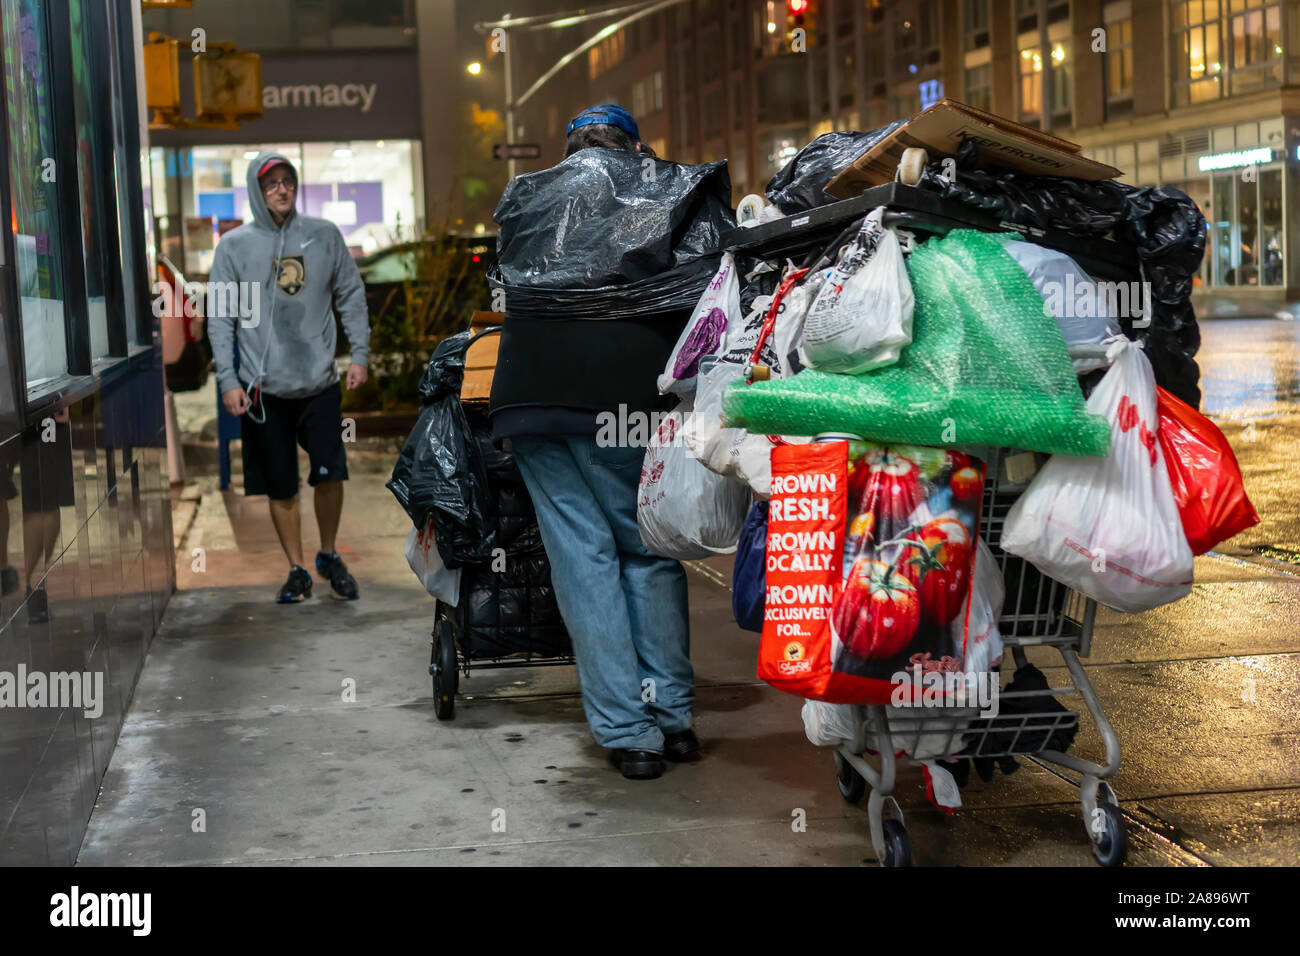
624 607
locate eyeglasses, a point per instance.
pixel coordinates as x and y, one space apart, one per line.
287 184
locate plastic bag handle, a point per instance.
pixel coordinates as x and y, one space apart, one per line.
769 322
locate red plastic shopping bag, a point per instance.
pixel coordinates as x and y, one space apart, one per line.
869 553
1204 473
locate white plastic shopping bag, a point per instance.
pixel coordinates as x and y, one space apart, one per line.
683 509
718 308
862 316
422 555
732 452
975 634
1109 527
834 725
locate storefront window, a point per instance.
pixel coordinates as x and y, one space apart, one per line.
134 261
1227 256
32 181
366 188
369 189
98 227
1246 228
1270 227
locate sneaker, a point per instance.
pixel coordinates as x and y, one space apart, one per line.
38 606
8 581
332 569
296 588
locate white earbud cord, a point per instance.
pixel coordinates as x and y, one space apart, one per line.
255 386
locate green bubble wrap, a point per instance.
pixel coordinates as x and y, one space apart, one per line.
986 366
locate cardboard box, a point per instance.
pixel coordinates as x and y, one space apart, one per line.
481 359
940 130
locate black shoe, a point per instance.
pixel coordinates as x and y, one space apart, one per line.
296 588
332 569
637 764
8 581
681 745
38 606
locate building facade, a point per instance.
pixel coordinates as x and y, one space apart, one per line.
86 553
1198 94
340 94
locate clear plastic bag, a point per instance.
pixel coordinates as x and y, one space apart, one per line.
861 317
1109 527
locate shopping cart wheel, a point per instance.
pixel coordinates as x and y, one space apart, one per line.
852 785
443 668
1109 841
898 845
912 165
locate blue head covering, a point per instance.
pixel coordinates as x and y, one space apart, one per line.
607 114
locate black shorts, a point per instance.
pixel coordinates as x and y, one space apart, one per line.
270 450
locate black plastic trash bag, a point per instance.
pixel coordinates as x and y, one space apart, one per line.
610 230
437 474
1162 223
800 184
1015 728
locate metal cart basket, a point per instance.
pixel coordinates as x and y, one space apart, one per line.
480 632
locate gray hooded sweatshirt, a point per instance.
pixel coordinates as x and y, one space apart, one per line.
287 346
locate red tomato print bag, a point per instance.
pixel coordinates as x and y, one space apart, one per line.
869 555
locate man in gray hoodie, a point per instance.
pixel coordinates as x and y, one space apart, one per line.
297 271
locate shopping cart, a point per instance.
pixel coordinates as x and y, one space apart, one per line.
479 632
1038 611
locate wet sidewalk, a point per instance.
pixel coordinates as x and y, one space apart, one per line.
240 747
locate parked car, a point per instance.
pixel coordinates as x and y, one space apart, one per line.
417 293
187 355
443 280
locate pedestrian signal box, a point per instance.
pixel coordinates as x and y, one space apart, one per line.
227 85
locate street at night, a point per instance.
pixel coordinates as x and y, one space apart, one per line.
758 434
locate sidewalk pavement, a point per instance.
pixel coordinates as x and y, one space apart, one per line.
1210 306
240 714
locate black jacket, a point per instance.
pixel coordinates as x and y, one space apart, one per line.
555 375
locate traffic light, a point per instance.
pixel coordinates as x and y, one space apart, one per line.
800 24
162 76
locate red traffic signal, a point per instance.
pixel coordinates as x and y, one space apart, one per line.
797 7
